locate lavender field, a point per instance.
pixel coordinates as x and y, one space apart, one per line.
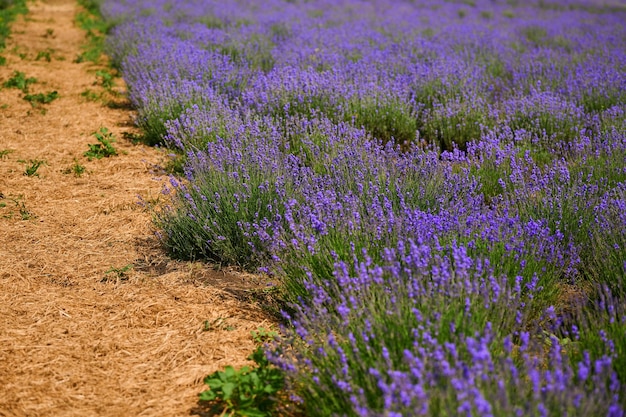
438 189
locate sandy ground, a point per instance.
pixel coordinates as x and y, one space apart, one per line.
94 318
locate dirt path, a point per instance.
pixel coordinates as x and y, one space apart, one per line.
74 338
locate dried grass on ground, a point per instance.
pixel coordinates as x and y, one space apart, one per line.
80 334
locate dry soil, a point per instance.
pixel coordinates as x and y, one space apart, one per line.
94 318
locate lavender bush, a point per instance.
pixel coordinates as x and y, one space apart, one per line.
439 188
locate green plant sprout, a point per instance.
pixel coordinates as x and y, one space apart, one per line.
41 98
91 21
121 274
91 95
263 335
25 214
31 170
5 152
76 169
104 148
217 324
45 55
18 80
105 79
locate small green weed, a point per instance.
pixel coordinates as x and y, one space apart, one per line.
8 11
105 79
217 324
5 152
120 274
134 138
24 213
41 98
248 391
90 19
76 169
19 81
45 55
104 148
263 335
91 95
35 164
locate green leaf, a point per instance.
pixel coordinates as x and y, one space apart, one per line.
229 372
208 395
212 380
254 379
253 413
228 389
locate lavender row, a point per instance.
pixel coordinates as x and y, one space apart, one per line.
438 188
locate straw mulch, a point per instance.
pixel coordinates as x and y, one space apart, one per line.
94 318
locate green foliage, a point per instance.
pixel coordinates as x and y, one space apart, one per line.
509 14
5 152
104 148
596 101
90 19
18 207
91 95
255 52
546 124
152 122
41 98
119 274
595 182
218 324
263 335
156 111
45 55
77 169
390 120
604 310
538 37
31 170
450 128
535 34
435 92
106 79
191 233
386 310
9 9
248 391
134 138
176 163
211 21
19 81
